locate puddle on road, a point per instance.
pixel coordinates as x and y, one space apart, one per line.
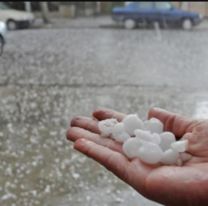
39 167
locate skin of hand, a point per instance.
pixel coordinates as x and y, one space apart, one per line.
169 185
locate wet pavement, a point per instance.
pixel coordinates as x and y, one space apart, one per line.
49 75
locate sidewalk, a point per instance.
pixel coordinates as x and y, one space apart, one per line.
90 22
82 22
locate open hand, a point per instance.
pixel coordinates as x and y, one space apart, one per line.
169 185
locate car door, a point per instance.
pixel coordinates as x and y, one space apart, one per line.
164 12
131 10
146 11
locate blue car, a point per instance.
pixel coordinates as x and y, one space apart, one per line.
164 13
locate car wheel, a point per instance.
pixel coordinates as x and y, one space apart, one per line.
11 25
129 24
1 45
187 24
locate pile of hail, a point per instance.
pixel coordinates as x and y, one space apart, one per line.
146 140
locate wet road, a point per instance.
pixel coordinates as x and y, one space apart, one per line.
47 76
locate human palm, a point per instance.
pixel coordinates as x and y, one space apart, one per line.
169 185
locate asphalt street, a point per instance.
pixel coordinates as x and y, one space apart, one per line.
49 75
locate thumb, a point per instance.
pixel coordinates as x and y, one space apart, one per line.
172 122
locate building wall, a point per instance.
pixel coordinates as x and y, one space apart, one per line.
200 6
106 6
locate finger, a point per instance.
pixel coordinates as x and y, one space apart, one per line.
85 123
172 122
103 113
112 160
75 133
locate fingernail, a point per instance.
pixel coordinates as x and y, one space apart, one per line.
74 120
81 143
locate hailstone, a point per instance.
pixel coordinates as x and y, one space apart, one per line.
106 126
170 157
118 129
180 146
122 137
150 153
154 125
147 136
131 146
131 123
167 138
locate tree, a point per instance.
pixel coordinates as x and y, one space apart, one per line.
28 6
45 11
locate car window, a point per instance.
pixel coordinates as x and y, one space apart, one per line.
145 5
3 6
133 5
163 5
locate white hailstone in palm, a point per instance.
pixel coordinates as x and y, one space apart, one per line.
142 134
150 153
147 136
170 157
131 146
154 125
106 126
119 133
185 156
131 123
156 138
146 125
118 129
180 146
123 137
167 138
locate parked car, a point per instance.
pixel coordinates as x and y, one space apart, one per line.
2 36
15 19
164 13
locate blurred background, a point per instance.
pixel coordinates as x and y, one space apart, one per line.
61 59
